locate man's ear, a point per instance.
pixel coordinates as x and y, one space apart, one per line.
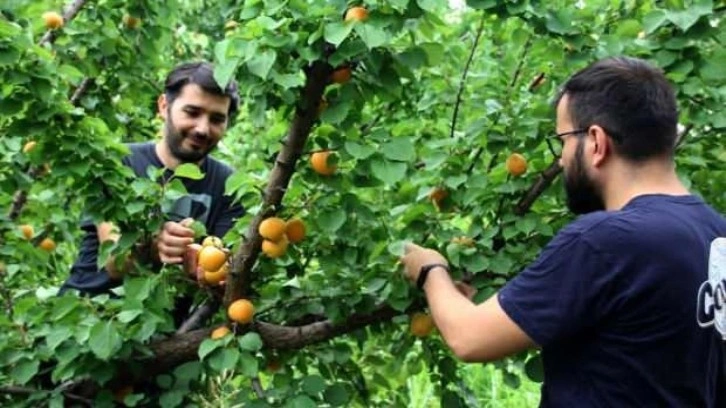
601 145
162 106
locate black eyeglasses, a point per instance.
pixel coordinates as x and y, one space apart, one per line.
559 136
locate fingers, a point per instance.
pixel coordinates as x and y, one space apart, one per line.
177 229
186 222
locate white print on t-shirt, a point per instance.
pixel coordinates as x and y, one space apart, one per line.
712 294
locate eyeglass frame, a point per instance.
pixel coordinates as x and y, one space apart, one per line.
559 136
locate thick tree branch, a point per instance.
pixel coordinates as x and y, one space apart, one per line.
240 277
539 186
462 81
50 35
178 349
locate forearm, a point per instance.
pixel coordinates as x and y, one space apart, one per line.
452 311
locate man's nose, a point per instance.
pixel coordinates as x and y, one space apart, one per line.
202 126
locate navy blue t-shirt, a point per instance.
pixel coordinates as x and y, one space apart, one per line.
612 300
205 202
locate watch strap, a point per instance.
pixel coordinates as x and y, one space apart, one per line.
424 273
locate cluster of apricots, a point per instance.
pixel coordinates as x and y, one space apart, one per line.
278 233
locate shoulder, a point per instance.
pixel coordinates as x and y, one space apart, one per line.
218 168
139 149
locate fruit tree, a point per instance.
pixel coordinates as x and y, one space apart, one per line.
368 123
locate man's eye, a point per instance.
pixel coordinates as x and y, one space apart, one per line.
192 113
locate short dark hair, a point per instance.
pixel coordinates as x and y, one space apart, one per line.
202 74
631 100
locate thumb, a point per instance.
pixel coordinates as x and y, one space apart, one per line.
186 222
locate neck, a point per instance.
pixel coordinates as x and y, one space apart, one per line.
633 180
164 153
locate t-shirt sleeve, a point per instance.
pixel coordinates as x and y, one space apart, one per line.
565 291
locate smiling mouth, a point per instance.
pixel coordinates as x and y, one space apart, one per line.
197 142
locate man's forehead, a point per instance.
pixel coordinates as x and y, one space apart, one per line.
194 95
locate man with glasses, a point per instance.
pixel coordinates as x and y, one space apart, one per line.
627 301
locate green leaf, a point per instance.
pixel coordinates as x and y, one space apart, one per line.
371 35
534 369
512 380
336 395
331 221
224 359
58 336
387 171
173 398
189 170
224 71
301 401
654 20
400 149
248 365
713 69
313 384
685 19
359 151
250 342
335 33
288 81
261 63
105 340
128 316
481 4
23 371
208 346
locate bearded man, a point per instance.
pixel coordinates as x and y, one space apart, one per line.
196 113
626 302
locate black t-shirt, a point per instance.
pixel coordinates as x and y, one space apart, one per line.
205 202
613 303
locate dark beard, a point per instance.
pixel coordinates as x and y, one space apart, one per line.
174 140
582 194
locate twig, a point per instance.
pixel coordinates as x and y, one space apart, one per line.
82 88
544 181
15 390
257 386
462 81
50 35
512 83
200 316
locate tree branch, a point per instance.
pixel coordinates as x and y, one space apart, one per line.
459 94
240 277
200 316
50 35
544 181
15 390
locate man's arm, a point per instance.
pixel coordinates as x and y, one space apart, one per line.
473 332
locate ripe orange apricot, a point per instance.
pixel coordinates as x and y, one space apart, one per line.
27 231
215 277
319 162
421 324
465 241
47 244
356 14
437 196
131 22
52 20
275 249
272 228
341 75
211 258
28 147
212 241
295 230
220 332
241 311
516 164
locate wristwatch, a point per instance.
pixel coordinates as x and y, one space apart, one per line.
424 273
